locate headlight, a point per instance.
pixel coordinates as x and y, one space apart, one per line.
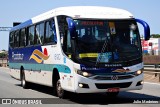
138 72
84 73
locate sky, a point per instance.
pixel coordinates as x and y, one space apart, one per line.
22 10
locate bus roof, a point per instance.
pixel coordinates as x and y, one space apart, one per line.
94 12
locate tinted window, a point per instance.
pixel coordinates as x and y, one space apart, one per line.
31 35
22 38
39 34
16 39
11 39
50 32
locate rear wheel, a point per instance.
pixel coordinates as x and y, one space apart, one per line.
24 83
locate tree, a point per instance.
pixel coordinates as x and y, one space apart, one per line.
3 55
3 50
155 35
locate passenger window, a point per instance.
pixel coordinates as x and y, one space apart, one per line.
69 50
11 40
31 36
50 33
22 38
16 39
39 34
65 36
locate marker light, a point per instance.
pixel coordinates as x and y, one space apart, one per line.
83 85
142 82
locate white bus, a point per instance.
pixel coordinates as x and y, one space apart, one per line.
80 49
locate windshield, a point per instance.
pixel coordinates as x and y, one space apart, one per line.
107 41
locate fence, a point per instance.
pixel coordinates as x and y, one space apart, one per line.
151 52
152 69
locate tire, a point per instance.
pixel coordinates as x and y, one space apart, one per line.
24 83
112 94
60 92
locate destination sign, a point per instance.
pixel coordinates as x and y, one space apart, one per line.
91 23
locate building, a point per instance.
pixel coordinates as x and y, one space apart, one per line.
4 59
151 46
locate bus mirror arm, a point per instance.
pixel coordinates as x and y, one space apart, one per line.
146 28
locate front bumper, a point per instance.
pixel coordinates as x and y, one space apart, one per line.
97 86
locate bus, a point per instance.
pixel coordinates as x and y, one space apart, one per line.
79 49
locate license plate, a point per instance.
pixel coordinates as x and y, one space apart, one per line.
112 89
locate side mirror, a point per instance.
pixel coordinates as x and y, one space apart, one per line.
146 28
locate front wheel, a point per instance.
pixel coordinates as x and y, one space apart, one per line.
59 89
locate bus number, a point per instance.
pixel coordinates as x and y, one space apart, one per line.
57 56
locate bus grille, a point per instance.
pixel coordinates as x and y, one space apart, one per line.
119 77
112 85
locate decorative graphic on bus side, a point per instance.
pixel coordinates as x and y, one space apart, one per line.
39 56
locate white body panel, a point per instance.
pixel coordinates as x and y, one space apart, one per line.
85 12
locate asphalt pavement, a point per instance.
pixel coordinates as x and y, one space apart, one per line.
11 89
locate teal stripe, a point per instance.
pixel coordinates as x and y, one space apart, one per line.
38 67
